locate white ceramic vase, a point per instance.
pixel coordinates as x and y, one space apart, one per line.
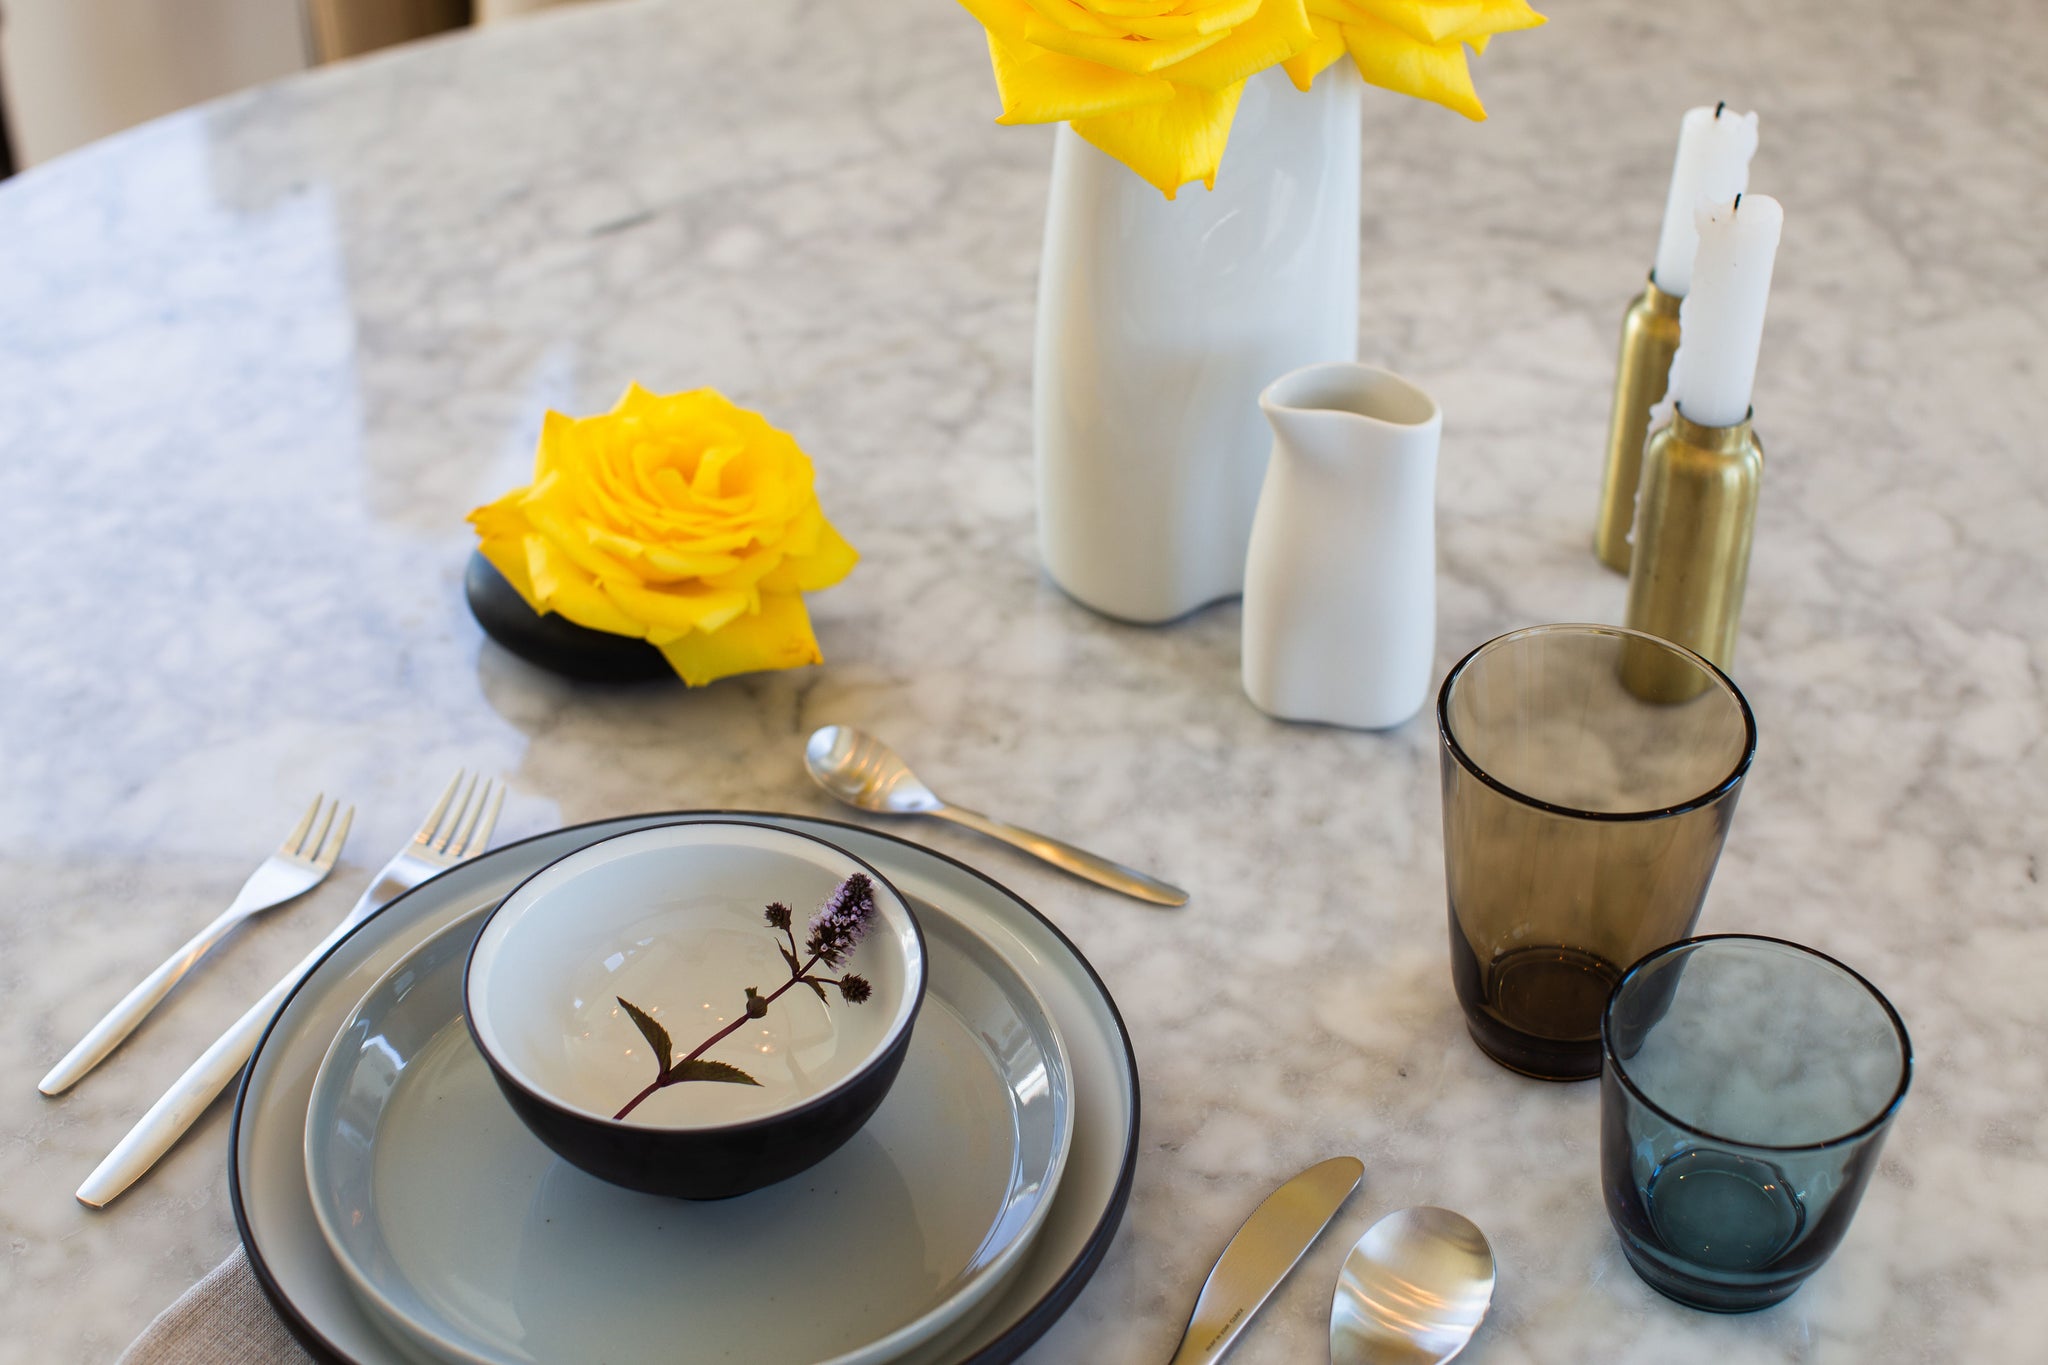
1158 324
1340 584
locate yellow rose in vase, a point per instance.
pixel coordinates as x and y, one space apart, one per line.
1155 83
681 519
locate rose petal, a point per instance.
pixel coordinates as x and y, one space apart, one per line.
1434 21
1304 66
1391 59
1278 31
1213 19
1002 18
778 636
558 585
1139 57
1074 18
831 561
684 608
1037 86
1172 143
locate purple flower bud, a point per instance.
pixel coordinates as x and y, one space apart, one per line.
842 919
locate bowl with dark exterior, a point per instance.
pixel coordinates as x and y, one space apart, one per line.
671 918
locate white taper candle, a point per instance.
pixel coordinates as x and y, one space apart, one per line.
1714 149
1721 322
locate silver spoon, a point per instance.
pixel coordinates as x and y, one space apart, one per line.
1413 1290
866 773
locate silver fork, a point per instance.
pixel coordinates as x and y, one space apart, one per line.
299 865
447 837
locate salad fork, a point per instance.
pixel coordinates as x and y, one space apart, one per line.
301 863
449 835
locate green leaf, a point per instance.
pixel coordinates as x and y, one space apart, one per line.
787 956
816 987
701 1070
656 1035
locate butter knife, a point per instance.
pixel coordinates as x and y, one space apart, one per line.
1259 1257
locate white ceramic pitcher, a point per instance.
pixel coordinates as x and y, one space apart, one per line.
1340 582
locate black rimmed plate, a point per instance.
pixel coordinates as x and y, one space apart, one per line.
267 1168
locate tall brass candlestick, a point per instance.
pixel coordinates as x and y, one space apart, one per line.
1649 338
1695 519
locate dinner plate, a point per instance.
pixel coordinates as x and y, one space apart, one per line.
267 1169
473 1244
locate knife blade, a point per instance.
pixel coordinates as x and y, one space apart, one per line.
1262 1253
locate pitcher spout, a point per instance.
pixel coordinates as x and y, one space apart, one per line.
1343 411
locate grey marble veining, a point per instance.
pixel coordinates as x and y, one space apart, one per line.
257 360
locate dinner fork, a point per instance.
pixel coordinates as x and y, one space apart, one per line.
300 864
449 835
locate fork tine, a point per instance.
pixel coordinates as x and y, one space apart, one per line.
309 849
332 850
454 821
459 839
433 820
482 839
291 841
468 845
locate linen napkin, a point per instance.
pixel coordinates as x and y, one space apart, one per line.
225 1319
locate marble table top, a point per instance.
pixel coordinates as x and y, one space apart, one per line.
258 359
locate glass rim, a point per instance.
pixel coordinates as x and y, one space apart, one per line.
1613 1063
1706 798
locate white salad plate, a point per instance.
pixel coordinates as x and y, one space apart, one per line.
473 1244
1002 961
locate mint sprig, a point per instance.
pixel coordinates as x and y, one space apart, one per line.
831 935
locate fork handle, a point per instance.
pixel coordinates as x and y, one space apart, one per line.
158 1130
1064 856
135 1006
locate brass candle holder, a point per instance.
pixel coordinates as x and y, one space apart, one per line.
1695 519
1649 338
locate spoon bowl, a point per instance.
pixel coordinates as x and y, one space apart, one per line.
865 773
1413 1290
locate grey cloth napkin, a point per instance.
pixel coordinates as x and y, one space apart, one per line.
225 1319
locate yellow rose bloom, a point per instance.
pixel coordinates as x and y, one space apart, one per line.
678 518
1155 83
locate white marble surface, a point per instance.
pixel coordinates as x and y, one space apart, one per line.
257 360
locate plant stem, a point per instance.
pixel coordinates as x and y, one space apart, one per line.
633 1103
720 1036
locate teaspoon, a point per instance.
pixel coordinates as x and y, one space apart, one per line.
867 774
1413 1290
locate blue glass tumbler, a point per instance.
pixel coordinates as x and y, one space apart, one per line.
1746 1088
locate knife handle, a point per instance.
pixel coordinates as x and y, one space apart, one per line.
1276 1236
180 1107
135 1006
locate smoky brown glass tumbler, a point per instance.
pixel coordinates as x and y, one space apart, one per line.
1582 822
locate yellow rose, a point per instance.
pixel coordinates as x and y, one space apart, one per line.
1412 47
1155 83
678 518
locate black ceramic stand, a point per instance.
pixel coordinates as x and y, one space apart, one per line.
552 641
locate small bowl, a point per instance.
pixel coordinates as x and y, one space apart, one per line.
671 918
